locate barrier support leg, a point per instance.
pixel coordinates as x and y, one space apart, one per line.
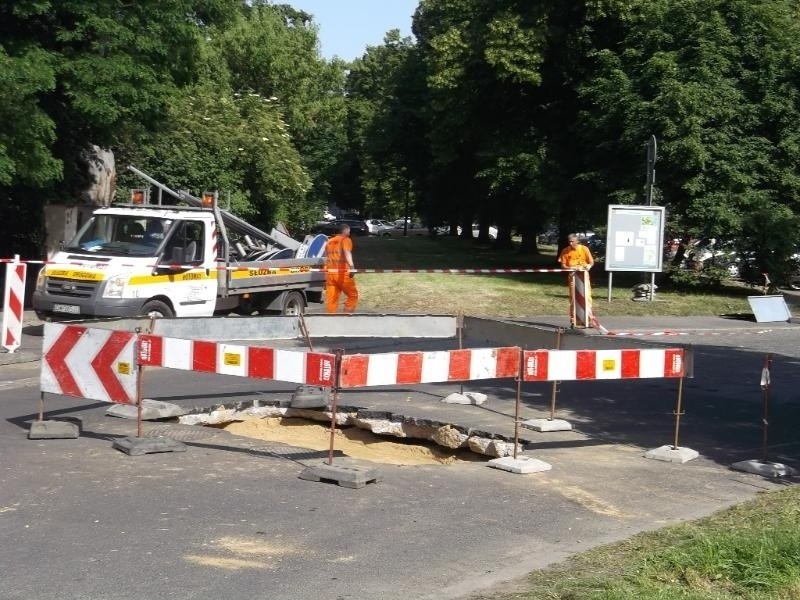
519 464
674 453
304 329
551 423
325 471
62 429
763 466
139 445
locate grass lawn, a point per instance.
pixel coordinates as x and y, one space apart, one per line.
508 294
749 552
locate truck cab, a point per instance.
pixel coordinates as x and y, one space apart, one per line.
176 261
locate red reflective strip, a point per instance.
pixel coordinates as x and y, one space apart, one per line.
103 365
536 364
409 367
459 365
204 357
151 350
673 363
261 363
320 369
586 367
354 370
507 362
57 355
630 364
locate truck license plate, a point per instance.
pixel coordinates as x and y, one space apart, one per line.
67 308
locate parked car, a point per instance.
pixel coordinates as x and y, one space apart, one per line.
413 228
379 226
357 228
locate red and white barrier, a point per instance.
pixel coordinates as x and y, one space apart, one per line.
89 363
362 370
583 302
568 365
13 304
313 368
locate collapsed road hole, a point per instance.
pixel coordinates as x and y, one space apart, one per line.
351 441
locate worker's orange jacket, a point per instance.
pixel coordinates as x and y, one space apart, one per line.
336 261
579 256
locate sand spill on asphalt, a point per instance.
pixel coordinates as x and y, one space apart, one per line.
351 441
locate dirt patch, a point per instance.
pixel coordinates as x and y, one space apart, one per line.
352 441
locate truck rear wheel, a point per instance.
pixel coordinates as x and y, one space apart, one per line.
293 304
157 309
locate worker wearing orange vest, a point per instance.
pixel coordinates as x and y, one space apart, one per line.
338 276
576 257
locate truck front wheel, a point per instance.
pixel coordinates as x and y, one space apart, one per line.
156 309
293 304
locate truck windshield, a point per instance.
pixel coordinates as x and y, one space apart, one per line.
121 235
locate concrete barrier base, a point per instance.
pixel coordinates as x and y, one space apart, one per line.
764 468
54 430
136 446
521 464
548 424
349 477
672 454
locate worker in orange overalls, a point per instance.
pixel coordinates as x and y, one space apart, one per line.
576 257
338 276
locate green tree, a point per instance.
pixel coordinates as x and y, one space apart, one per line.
273 50
716 82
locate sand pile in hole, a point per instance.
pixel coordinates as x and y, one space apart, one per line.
352 441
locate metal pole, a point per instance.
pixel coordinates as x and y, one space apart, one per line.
554 391
139 375
678 412
304 329
337 380
460 330
765 383
516 408
610 279
41 406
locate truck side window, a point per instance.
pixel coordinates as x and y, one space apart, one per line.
186 243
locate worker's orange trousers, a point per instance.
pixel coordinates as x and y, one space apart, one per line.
335 286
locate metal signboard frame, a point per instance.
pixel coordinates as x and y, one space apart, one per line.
635 238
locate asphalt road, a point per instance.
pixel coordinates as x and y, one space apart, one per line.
229 518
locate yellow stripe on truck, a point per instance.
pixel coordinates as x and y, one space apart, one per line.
262 271
194 275
75 274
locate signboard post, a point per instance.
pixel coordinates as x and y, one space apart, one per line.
635 240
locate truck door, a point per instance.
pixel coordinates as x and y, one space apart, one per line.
192 273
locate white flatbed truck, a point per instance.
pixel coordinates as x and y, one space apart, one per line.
176 260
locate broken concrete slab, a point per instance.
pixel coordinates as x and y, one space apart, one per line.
136 446
764 468
309 396
344 476
54 430
152 410
520 465
475 398
672 454
545 425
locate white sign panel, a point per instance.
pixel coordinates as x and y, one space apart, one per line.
635 238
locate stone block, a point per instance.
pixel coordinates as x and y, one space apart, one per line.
136 446
672 454
54 430
152 410
547 425
764 468
520 465
344 476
